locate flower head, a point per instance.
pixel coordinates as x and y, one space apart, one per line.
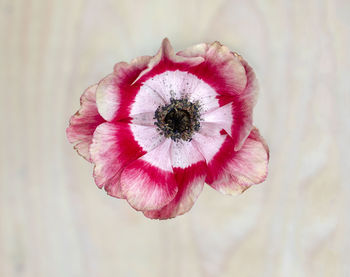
160 127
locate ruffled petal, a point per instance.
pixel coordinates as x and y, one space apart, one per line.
190 171
242 108
112 149
232 172
84 122
233 79
149 183
165 60
221 69
115 92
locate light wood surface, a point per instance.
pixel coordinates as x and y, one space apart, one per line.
54 221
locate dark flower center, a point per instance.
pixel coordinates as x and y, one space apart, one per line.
178 120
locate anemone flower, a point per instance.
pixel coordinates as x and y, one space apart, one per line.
158 128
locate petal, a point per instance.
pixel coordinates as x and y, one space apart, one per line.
83 124
147 137
209 140
233 79
242 108
221 116
221 69
184 154
204 94
115 92
112 149
146 119
149 183
232 172
146 100
190 171
178 84
189 188
198 50
166 59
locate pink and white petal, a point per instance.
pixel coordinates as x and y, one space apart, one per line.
166 84
209 140
242 108
222 70
232 172
115 92
221 116
184 154
190 171
206 96
149 183
231 77
147 137
84 122
168 60
190 184
177 84
146 100
113 147
255 135
198 50
146 119
108 97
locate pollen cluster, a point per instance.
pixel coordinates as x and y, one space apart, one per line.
178 120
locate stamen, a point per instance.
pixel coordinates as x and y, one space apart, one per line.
179 119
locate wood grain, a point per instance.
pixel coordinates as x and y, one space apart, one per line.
55 222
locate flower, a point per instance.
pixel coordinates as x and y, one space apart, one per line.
158 128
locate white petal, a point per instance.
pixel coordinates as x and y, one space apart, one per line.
146 100
208 140
221 116
184 154
160 156
146 136
166 84
178 84
146 119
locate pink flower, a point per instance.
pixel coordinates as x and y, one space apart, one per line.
160 127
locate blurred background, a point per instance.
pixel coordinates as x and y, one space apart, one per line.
54 221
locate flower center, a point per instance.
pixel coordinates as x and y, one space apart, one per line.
178 120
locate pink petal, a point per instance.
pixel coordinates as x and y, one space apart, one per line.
232 172
231 77
165 60
149 183
190 172
83 123
221 116
221 69
190 184
146 100
146 119
115 92
204 94
147 137
184 154
178 84
209 140
112 149
242 109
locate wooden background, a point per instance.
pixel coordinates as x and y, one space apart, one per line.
55 222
